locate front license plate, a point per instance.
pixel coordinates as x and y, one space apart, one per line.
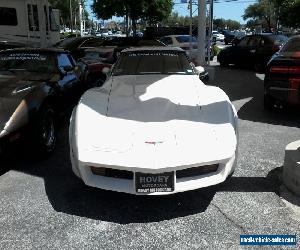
151 183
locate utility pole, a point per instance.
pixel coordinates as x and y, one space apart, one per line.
80 17
211 25
71 17
191 25
201 32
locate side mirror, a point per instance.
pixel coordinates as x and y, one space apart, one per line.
199 70
202 73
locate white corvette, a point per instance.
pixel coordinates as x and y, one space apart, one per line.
153 127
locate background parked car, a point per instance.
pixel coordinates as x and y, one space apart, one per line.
216 36
183 42
253 50
228 37
77 45
282 80
106 54
36 86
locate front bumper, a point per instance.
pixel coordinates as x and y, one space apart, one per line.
126 183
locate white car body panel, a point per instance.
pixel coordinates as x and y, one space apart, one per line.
153 124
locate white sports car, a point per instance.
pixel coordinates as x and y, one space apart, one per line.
153 128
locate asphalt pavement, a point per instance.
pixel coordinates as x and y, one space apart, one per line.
44 206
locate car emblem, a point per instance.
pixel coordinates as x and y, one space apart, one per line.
153 142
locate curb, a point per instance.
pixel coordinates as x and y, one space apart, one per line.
291 167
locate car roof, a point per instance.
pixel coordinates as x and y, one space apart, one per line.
171 49
40 50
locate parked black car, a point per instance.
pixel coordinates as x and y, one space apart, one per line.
282 79
77 45
36 86
252 51
229 36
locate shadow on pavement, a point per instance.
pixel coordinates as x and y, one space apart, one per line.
245 84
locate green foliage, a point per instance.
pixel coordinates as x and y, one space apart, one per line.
291 14
150 10
157 10
64 8
263 11
271 13
221 23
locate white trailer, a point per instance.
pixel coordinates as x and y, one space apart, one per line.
29 23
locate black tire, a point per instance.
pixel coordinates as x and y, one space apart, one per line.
45 134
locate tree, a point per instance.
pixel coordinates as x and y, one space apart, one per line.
232 24
273 13
219 23
153 11
157 10
64 8
263 10
290 13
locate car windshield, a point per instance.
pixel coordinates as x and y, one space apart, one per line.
185 39
153 62
29 61
291 48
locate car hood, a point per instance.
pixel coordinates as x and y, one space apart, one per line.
13 89
156 121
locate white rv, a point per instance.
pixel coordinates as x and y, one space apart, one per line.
28 22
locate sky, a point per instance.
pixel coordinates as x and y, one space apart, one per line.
227 9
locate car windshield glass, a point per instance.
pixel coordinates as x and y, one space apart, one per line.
291 48
185 39
153 62
29 61
278 39
66 42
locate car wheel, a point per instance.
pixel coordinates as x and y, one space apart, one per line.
46 134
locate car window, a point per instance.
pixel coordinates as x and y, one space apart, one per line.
149 43
72 60
278 39
244 41
68 42
167 40
153 62
92 43
28 60
185 39
292 47
63 60
254 41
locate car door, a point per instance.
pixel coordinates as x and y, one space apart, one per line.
69 82
242 51
254 47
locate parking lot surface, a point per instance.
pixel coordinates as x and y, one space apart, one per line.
44 206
